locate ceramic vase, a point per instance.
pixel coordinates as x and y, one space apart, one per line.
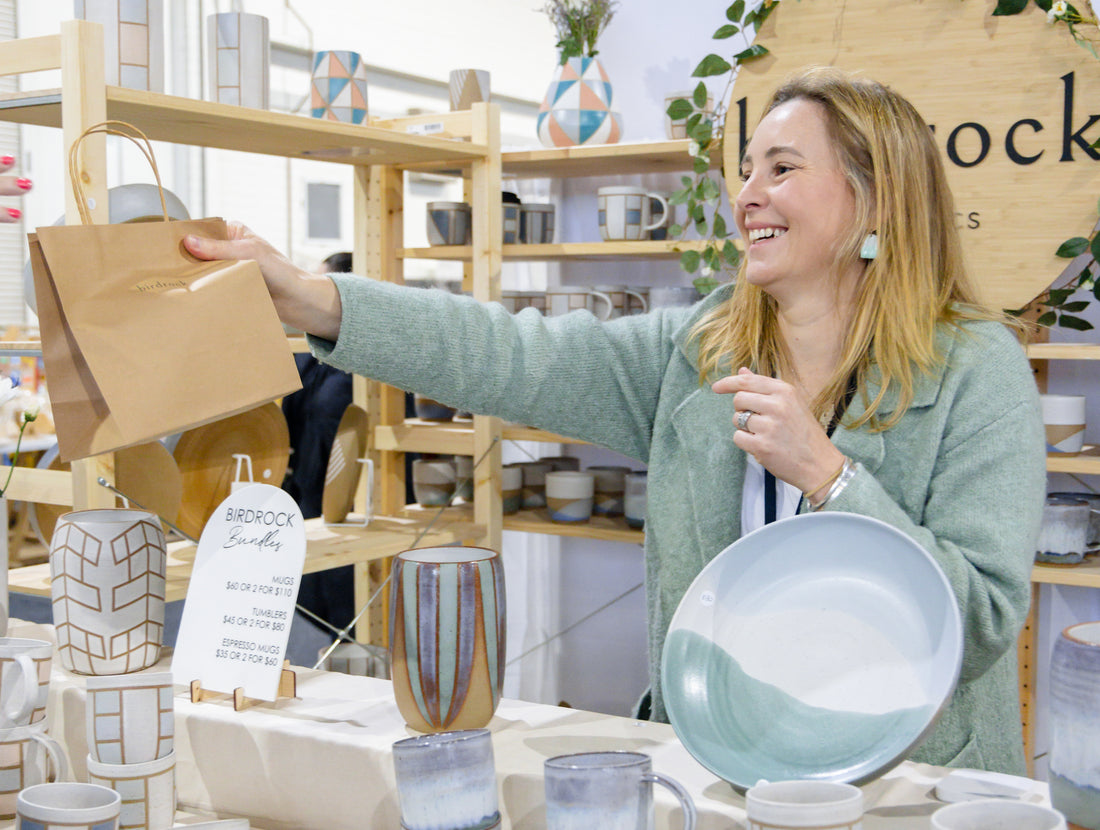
107 570
133 40
447 618
577 107
238 52
338 87
1075 725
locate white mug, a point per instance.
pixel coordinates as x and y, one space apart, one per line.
621 300
75 806
807 805
147 791
24 680
28 756
624 212
563 300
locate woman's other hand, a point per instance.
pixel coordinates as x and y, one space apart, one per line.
11 186
306 301
781 432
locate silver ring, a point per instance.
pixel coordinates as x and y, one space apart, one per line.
743 419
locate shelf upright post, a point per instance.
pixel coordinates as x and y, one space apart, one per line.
488 236
84 103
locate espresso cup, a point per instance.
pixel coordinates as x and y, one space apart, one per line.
447 779
24 680
449 223
433 481
624 212
608 790
997 814
534 483
147 791
564 300
130 717
806 805
610 486
28 756
1064 420
73 806
569 496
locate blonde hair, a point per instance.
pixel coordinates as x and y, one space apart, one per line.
917 281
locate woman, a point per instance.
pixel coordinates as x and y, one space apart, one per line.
850 378
11 186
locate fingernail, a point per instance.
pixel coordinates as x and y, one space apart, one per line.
26 184
7 160
14 213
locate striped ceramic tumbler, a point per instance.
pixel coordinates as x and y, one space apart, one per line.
447 619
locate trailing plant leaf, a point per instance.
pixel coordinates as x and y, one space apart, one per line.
1072 248
711 65
754 51
689 261
704 285
726 31
1006 7
680 108
736 11
1067 321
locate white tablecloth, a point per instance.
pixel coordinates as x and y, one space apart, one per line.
323 759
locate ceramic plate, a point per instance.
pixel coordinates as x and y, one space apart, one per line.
205 458
342 474
820 647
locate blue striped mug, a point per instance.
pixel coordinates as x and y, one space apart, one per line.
447 643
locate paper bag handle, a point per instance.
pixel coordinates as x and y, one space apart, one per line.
111 128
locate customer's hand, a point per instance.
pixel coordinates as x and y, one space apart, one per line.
11 186
306 301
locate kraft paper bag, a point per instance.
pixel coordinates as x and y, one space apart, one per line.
140 339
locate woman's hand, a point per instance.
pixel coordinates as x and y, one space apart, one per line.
781 432
306 301
11 186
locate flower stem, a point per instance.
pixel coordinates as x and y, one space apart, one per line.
14 458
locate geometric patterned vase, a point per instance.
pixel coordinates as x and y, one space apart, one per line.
447 636
338 88
577 106
107 570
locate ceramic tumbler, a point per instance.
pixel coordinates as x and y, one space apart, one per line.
997 813
1063 536
147 791
447 780
534 483
1075 724
805 805
511 488
338 87
133 40
608 790
28 756
24 680
447 636
610 486
1064 420
70 805
536 224
107 571
449 223
569 496
468 87
238 53
130 718
433 481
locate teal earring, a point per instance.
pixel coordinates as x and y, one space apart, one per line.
870 246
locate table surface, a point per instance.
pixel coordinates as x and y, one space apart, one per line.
324 757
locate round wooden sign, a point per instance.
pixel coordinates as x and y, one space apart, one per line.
1014 102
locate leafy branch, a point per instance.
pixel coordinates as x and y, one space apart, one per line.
701 192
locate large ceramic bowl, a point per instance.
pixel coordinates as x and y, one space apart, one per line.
820 647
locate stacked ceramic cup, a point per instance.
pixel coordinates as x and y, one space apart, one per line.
27 755
131 731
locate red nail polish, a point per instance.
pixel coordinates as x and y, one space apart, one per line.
26 184
14 213
7 161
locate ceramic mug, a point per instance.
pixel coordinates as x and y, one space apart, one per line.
447 636
1075 724
449 223
107 571
24 680
610 486
995 814
28 756
624 212
536 225
433 481
73 806
447 780
338 87
147 791
464 477
807 805
608 790
130 717
511 488
511 212
468 87
622 298
1063 536
569 496
1064 419
534 484
563 300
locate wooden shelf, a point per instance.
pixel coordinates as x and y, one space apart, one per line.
21 348
328 546
640 249
1086 462
602 160
1063 351
1083 575
209 124
451 437
536 521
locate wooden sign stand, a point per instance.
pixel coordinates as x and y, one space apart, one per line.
288 688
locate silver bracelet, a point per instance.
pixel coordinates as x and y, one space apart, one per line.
846 475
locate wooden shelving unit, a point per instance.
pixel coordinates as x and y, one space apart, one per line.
564 251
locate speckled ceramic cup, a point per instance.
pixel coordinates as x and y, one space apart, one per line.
806 805
447 780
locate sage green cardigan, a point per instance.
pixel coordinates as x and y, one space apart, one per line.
963 471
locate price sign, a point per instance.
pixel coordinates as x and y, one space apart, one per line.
236 618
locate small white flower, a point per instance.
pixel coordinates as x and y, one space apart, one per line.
693 148
1060 8
706 271
31 412
7 390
